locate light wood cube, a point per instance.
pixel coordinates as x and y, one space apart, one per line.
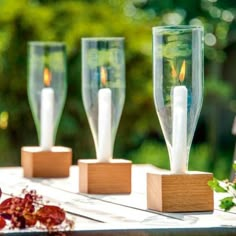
105 177
46 164
188 192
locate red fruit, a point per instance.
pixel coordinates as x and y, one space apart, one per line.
2 222
50 215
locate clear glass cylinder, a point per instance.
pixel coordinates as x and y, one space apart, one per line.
178 87
46 87
103 90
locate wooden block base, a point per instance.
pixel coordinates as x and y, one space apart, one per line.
105 177
46 164
169 192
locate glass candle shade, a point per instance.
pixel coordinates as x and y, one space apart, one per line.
103 90
178 87
46 87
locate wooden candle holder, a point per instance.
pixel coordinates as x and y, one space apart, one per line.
46 164
105 177
169 192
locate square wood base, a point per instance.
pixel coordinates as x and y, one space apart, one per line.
105 177
169 192
46 164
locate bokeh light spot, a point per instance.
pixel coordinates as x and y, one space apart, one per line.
172 18
210 39
4 119
227 16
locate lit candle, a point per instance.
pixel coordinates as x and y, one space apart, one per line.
179 123
104 121
46 114
179 130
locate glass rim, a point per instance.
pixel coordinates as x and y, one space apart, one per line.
46 43
102 39
158 29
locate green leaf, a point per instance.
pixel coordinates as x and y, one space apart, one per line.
227 203
215 185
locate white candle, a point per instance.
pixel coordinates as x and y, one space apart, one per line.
104 125
46 118
179 130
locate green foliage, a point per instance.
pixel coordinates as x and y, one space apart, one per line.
151 152
176 49
215 185
224 187
217 89
199 157
227 203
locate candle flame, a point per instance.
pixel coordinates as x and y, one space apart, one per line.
173 71
182 71
103 74
47 77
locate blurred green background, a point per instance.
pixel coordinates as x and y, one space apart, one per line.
139 135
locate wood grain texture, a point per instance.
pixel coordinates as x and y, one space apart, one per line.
105 177
179 192
46 164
